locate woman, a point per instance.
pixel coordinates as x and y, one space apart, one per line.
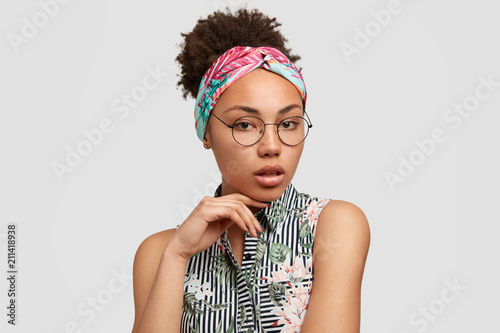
245 260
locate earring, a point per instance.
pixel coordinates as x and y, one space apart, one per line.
205 146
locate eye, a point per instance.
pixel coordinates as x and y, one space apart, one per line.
288 125
243 125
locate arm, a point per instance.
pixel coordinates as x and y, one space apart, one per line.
339 256
161 259
158 278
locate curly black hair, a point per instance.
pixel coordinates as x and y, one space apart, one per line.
219 32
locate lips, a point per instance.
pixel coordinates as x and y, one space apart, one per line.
270 175
270 170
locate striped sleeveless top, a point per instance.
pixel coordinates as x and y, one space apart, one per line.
270 291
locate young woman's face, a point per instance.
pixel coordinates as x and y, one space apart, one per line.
263 94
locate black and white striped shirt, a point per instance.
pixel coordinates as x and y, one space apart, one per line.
270 291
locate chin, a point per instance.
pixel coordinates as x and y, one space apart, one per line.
267 194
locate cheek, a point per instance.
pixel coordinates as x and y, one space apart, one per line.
234 167
294 153
292 159
231 158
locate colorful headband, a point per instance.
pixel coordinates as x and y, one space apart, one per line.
232 66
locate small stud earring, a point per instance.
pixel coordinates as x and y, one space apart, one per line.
205 145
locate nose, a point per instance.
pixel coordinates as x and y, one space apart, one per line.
269 144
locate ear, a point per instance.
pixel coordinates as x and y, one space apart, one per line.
207 140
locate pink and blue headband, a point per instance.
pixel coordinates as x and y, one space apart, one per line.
233 65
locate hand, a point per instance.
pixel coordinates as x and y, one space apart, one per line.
209 219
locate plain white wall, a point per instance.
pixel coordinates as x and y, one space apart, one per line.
371 97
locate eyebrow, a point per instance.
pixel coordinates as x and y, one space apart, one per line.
255 111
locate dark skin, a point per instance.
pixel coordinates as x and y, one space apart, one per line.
342 236
238 163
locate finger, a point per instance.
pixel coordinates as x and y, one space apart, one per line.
249 201
251 223
240 202
225 223
250 216
244 212
230 212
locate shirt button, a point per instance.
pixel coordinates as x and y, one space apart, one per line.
248 256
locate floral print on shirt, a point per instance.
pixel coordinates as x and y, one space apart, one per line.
270 290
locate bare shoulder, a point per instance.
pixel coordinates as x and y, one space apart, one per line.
342 222
146 262
149 253
153 244
340 250
344 214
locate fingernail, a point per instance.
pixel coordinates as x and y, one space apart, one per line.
261 227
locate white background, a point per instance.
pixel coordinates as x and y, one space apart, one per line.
75 235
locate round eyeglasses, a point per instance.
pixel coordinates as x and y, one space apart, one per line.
248 130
